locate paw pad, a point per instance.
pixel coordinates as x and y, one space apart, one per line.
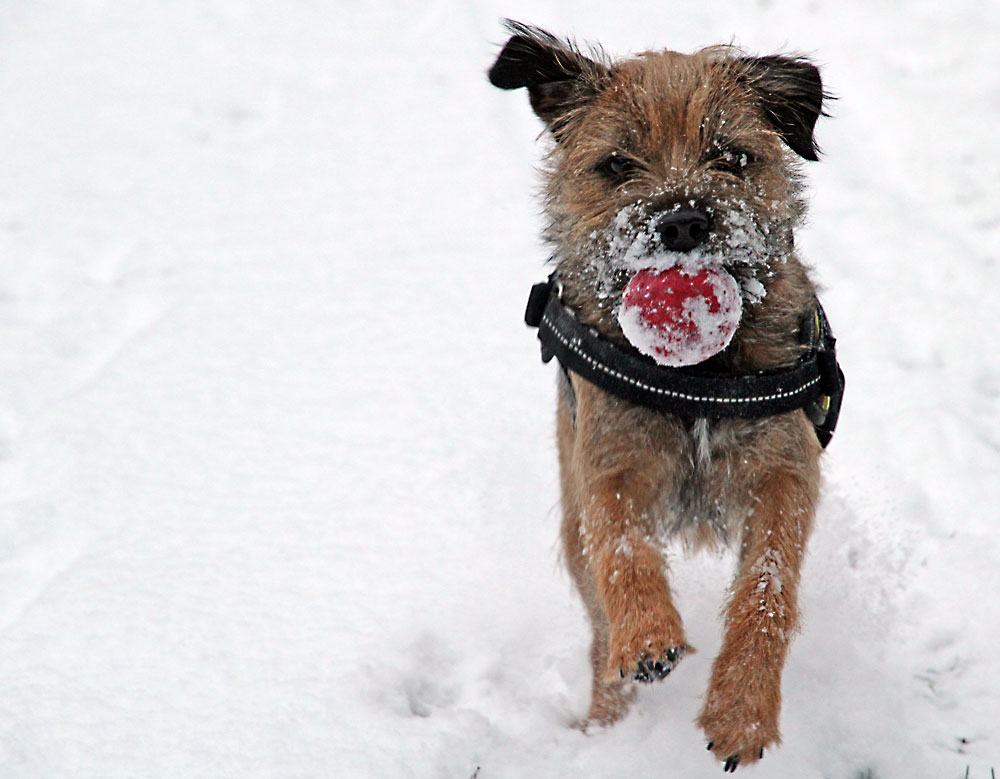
651 669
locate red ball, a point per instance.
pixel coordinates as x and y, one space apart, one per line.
679 316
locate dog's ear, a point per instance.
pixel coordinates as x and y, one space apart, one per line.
558 76
791 94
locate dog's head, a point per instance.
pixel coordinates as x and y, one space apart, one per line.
667 158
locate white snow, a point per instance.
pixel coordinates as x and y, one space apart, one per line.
634 244
753 290
277 478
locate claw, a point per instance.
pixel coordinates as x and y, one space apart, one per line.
731 763
761 753
662 670
649 669
710 745
645 670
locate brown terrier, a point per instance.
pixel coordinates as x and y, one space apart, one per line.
681 155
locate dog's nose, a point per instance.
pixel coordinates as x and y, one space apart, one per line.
682 230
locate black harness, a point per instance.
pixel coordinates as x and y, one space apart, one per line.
814 383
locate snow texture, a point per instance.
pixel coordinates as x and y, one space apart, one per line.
634 243
277 496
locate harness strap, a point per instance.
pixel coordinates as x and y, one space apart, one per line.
814 383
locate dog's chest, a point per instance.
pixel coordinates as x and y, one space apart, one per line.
703 496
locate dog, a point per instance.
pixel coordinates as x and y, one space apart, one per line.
684 157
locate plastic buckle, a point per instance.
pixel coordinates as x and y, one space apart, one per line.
537 301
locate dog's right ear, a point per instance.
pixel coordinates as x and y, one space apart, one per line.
558 76
791 95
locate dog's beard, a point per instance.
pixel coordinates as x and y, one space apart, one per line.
738 242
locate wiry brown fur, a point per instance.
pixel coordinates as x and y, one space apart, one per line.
632 477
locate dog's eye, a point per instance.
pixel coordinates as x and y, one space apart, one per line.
617 167
734 162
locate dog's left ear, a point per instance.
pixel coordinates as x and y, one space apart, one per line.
791 94
558 76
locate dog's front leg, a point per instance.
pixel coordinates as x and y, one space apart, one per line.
611 480
740 717
645 634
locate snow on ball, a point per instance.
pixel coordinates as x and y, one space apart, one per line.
681 316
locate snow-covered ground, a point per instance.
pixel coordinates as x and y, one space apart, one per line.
277 479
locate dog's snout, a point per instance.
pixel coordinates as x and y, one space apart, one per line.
684 229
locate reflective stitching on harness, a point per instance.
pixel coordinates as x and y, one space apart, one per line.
574 345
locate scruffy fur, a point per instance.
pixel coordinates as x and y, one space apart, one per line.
634 140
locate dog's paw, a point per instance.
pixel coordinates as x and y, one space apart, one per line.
651 669
734 761
653 662
736 740
608 704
